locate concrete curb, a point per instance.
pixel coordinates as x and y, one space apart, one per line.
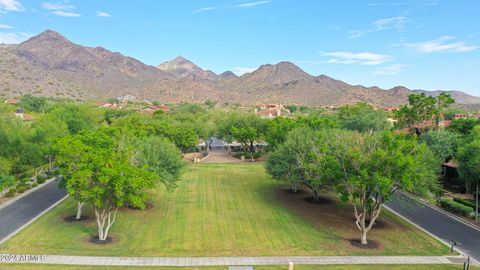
32 220
18 197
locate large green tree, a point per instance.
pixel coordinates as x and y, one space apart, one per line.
373 166
286 161
469 167
363 118
443 143
164 159
104 173
243 128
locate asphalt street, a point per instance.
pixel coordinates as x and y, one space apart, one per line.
437 223
20 212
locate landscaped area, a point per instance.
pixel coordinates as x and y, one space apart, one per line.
224 210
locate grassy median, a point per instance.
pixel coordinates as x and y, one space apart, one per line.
223 210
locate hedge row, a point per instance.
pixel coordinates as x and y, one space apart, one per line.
455 207
465 202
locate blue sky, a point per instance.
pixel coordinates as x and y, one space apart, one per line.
422 44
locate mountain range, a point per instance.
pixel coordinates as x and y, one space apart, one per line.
51 65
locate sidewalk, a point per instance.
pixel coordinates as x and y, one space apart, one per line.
221 261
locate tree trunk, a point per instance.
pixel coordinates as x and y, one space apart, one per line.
294 187
79 209
252 150
363 239
315 195
105 220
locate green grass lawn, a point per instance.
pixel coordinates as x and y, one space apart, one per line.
272 267
221 210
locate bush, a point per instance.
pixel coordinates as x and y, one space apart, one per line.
42 176
11 193
455 207
465 202
21 189
41 180
35 185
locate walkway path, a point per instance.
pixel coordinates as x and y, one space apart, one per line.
16 215
218 261
437 222
219 157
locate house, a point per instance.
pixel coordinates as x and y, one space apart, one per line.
154 108
20 113
11 101
389 109
465 116
271 110
109 105
126 98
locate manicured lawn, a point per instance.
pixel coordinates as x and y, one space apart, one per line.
272 267
222 210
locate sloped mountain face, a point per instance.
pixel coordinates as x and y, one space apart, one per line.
51 65
182 68
460 97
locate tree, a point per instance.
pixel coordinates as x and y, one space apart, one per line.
77 117
442 143
363 118
286 162
373 166
243 128
184 138
320 168
34 104
104 173
164 159
469 167
420 108
463 126
277 130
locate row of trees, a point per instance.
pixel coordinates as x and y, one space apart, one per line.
363 168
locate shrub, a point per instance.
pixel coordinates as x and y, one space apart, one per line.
11 193
455 207
42 176
465 202
35 185
41 180
21 189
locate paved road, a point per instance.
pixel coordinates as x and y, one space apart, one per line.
15 215
438 224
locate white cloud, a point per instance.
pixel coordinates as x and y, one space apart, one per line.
392 22
363 58
65 13
61 9
13 38
391 69
253 4
242 70
5 26
397 23
103 14
57 6
442 44
11 5
204 9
